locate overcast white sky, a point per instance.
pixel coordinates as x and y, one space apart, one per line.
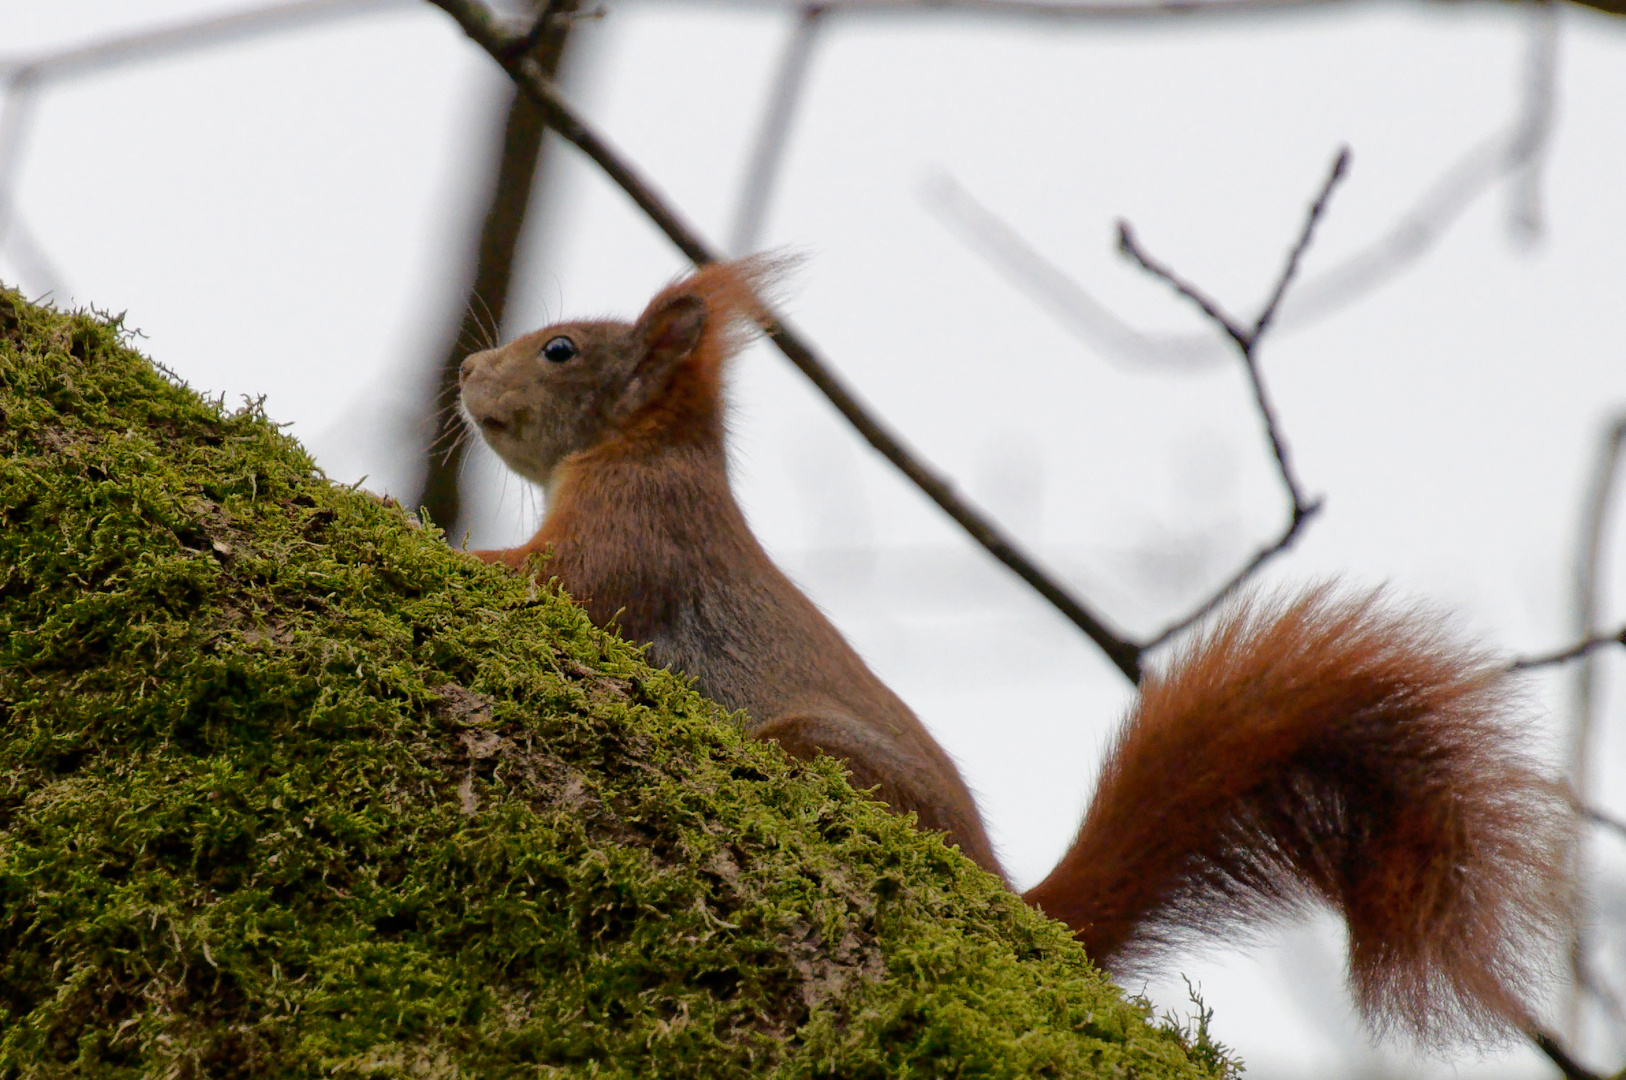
290 216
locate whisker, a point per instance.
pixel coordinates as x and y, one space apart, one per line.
461 441
444 409
452 434
488 325
458 429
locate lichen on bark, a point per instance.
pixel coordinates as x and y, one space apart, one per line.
290 788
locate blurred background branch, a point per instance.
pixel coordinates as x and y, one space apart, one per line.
1515 154
511 194
24 77
1588 606
773 131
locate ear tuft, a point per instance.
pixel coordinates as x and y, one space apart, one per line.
694 325
735 296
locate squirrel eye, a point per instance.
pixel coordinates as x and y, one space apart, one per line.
559 349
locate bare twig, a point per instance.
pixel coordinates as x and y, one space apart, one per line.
1131 248
1513 151
1548 1044
1340 166
1584 647
773 132
483 28
1588 588
1069 10
1246 339
15 237
153 42
1541 69
1605 995
1598 817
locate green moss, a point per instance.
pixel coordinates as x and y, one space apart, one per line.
289 788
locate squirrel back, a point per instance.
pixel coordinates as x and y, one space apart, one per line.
624 429
1319 749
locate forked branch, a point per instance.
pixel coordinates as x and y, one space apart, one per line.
1247 338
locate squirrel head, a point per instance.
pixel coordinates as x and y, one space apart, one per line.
573 387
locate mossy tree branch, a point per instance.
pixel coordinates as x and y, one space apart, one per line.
290 788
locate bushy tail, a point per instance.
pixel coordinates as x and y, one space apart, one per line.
1327 749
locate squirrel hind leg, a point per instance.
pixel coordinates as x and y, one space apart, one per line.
908 779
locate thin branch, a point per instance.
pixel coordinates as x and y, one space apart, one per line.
1602 992
15 119
1584 647
1586 978
1598 817
1269 551
484 29
1246 339
773 132
1131 248
1067 10
1588 586
32 262
1513 151
1540 92
23 76
1548 1044
1340 167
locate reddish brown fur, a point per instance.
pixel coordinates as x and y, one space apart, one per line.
1327 750
1321 749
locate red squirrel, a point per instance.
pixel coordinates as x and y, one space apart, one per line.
1323 748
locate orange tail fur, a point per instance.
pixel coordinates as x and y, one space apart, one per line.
1324 749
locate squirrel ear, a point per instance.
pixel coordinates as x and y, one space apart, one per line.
671 331
663 337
